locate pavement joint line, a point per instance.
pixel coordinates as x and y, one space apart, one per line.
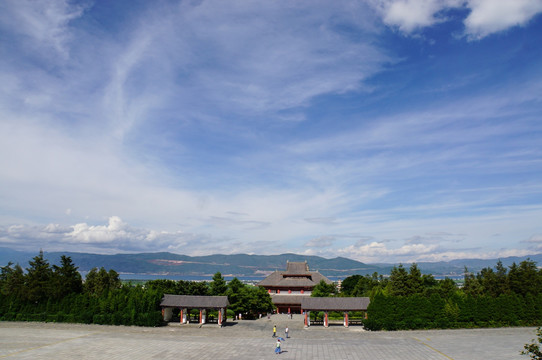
51 344
432 348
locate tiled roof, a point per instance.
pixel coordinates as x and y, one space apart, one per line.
194 301
297 268
335 303
296 275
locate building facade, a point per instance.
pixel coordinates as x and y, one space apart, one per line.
288 288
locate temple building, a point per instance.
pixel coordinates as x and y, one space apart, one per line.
288 288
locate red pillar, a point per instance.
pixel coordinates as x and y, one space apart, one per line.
181 318
325 319
306 322
200 313
220 317
346 319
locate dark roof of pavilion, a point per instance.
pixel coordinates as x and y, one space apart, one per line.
287 299
297 268
194 301
335 303
297 274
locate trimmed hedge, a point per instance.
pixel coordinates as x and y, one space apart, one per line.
458 311
124 306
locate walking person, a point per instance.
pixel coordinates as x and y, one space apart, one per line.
275 331
286 331
277 347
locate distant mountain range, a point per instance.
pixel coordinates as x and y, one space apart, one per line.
243 265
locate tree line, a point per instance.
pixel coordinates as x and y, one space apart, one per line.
59 294
493 297
407 299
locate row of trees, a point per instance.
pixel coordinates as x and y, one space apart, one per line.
521 279
406 299
409 300
58 293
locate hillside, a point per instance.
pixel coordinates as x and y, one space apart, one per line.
243 265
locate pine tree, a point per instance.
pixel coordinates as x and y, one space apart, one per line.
66 279
218 286
399 281
38 279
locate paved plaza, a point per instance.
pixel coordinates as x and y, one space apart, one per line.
252 339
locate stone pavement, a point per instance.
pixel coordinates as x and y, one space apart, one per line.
251 339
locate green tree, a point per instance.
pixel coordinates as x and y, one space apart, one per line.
447 287
218 286
12 280
399 281
163 286
349 284
237 296
471 285
66 279
524 279
415 282
38 279
198 288
323 289
259 300
502 278
98 282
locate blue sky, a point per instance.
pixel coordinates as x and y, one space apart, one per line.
379 130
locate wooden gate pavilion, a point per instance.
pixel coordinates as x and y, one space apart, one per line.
187 302
327 304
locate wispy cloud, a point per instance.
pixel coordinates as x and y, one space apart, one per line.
42 26
321 242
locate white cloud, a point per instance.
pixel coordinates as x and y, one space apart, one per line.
115 236
410 15
114 230
490 16
379 252
486 16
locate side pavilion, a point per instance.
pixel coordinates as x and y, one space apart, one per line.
327 304
187 302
